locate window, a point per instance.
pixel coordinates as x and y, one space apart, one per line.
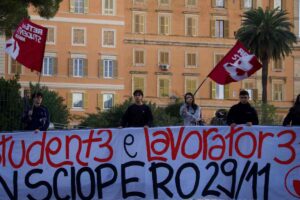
138 83
219 91
191 3
139 23
77 100
219 28
220 3
190 60
164 24
79 6
108 7
15 67
191 25
78 36
164 2
277 91
108 37
163 57
278 65
108 101
78 65
51 35
139 57
163 87
48 66
277 3
190 85
139 1
108 68
249 86
247 4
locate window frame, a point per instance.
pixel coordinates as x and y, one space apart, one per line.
134 57
54 35
84 36
112 100
82 100
103 38
168 27
195 20
47 67
112 11
78 9
143 26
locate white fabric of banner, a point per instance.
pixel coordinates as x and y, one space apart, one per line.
200 162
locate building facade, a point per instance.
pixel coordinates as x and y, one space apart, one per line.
99 51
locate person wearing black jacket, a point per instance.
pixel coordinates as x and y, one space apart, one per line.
137 114
37 117
293 117
243 112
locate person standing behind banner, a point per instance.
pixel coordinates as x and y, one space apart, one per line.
37 117
243 112
189 111
137 114
293 117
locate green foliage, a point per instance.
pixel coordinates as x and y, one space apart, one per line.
59 113
11 106
13 11
267 114
111 118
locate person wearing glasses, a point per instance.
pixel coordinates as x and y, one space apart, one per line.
137 114
189 111
243 112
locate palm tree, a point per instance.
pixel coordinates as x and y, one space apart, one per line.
268 35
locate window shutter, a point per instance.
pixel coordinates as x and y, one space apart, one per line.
100 67
70 67
212 28
225 3
226 28
72 6
86 6
70 100
254 4
226 91
167 85
115 99
213 90
283 4
19 68
242 4
213 3
54 66
100 101
85 100
85 67
115 69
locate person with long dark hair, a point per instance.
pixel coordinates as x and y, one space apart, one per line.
189 111
293 117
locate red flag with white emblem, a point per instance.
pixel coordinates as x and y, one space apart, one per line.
27 45
236 65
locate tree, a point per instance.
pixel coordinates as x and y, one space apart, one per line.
268 35
59 113
13 11
11 106
111 118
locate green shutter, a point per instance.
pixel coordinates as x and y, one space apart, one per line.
85 100
72 6
70 100
85 67
100 68
213 90
100 101
226 28
115 69
213 3
54 66
212 28
70 67
86 6
226 91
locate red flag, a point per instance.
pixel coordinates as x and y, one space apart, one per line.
27 45
236 65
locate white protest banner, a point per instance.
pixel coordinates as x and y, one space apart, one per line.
258 162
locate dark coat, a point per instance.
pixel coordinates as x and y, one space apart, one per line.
40 119
137 116
241 114
293 117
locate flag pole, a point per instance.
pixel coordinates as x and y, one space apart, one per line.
200 85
